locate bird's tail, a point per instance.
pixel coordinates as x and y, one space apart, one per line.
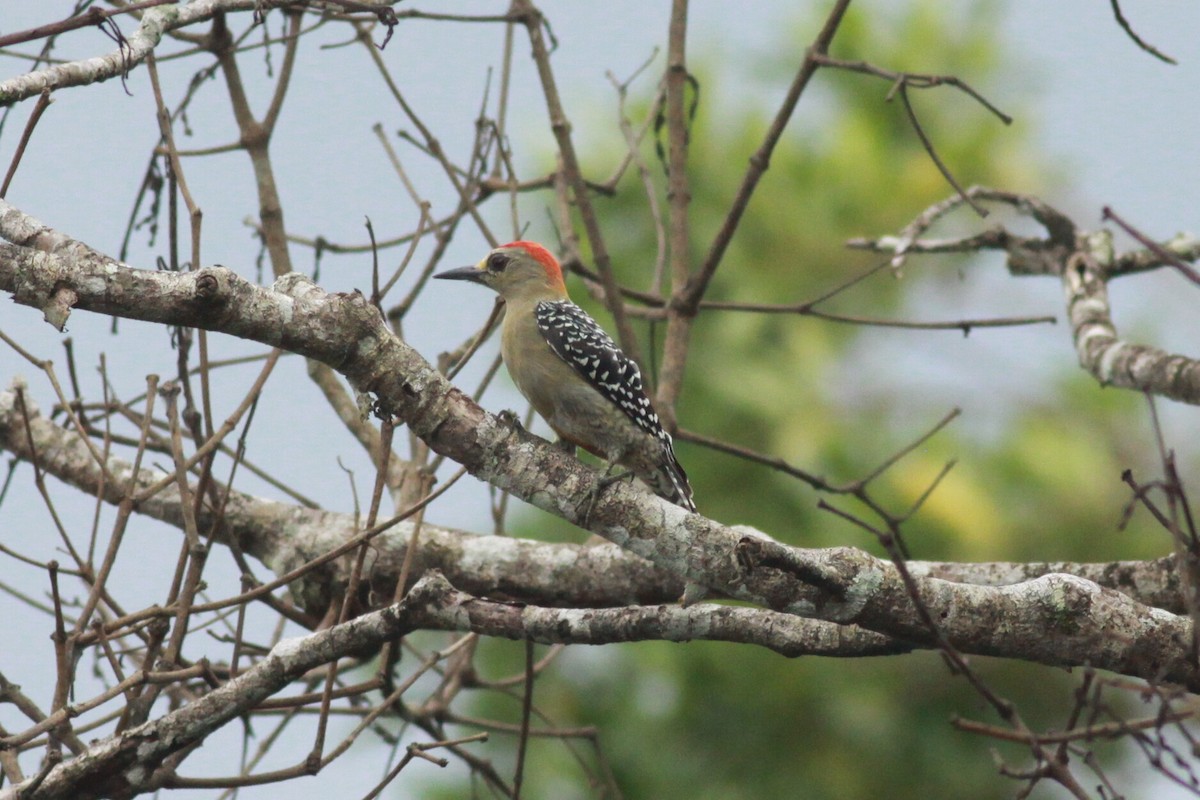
670 482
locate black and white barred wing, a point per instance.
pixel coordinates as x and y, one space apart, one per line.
577 339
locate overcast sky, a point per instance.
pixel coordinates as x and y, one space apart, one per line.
1124 126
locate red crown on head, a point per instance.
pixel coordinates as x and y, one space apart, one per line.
542 256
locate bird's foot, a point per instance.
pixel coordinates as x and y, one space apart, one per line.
510 418
605 481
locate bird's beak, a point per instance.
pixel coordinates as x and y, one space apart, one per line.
473 274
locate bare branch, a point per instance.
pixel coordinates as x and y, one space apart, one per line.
762 157
1139 41
838 585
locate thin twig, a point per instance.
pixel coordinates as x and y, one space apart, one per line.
93 16
914 80
762 157
1154 247
526 706
43 102
1139 41
928 145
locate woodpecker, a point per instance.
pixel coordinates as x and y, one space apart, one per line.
572 372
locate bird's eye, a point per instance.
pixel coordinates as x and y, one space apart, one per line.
497 262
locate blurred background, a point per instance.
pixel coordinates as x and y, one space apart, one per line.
1040 447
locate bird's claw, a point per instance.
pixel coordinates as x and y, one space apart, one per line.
605 481
510 418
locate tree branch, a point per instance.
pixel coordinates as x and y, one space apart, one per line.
154 23
284 536
1055 619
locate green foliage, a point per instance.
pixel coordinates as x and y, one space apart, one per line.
718 721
